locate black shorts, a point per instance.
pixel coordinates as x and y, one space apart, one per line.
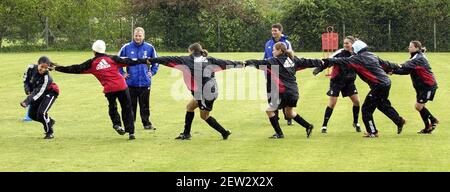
423 96
206 105
282 102
347 88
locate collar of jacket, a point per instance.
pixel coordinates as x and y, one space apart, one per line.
282 39
99 55
414 54
137 45
362 51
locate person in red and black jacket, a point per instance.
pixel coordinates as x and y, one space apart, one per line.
342 79
372 70
41 94
199 75
106 69
424 83
282 89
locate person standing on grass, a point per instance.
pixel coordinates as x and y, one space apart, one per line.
199 75
282 88
342 79
372 70
277 36
106 69
424 83
41 94
139 77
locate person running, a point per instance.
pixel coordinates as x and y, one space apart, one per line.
342 79
106 69
282 89
424 83
370 69
139 77
277 36
199 75
41 94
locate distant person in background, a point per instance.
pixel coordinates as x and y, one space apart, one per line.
277 36
41 94
139 77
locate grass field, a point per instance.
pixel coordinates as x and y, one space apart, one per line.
85 140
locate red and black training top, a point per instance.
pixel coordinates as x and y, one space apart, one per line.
420 71
280 73
105 68
198 72
342 74
369 67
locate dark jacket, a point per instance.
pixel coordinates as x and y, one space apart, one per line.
420 71
369 67
37 85
198 73
342 73
280 72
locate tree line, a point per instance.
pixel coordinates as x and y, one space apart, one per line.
220 25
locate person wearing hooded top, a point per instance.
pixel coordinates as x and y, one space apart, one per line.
277 36
282 89
424 83
199 75
372 70
106 69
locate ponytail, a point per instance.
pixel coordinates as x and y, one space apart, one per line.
423 50
197 50
281 46
418 44
204 52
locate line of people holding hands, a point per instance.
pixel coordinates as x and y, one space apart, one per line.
282 89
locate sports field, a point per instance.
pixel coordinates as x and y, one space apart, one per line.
85 141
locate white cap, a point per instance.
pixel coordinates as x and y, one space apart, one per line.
358 46
99 46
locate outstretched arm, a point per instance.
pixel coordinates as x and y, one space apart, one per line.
166 61
256 63
404 69
224 64
387 66
75 69
302 63
127 61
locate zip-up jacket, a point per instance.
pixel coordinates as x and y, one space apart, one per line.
138 74
105 68
37 85
198 71
342 73
268 48
420 71
281 71
369 67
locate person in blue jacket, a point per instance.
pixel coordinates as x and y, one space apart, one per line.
277 36
139 77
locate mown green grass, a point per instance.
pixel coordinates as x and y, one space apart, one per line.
85 140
